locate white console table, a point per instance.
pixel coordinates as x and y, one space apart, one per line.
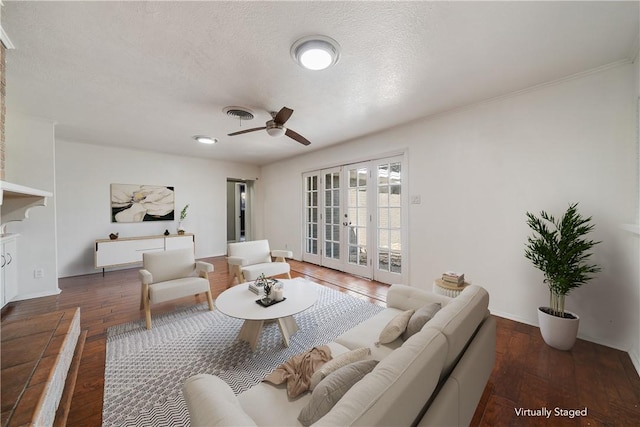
128 250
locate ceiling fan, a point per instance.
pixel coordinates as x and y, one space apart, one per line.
275 126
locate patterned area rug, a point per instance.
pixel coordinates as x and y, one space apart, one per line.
145 369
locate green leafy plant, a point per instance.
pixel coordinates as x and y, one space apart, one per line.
183 213
559 249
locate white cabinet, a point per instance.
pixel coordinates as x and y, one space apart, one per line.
9 262
178 241
129 250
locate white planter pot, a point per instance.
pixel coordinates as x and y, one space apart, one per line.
558 332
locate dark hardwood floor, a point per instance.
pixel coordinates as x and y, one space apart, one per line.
528 374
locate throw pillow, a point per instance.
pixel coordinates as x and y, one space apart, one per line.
420 318
332 388
395 327
338 362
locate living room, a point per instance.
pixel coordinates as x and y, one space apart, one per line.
476 168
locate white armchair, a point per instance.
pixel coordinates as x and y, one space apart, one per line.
168 275
248 260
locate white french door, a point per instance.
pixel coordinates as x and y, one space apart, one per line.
391 218
354 217
331 219
357 220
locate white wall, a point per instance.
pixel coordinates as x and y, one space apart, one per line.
30 162
572 141
84 175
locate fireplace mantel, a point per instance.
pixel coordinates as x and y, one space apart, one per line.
16 201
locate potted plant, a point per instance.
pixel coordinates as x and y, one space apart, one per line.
560 250
183 215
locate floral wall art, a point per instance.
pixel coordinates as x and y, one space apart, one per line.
138 203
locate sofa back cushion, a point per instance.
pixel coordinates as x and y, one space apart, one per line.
458 321
395 392
169 265
254 252
403 297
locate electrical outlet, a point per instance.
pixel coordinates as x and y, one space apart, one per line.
38 273
416 200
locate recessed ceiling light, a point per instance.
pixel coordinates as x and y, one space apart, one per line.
316 52
205 139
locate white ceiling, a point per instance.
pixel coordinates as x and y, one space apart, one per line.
150 75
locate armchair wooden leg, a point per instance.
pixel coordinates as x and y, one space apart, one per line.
147 313
210 300
289 274
145 305
235 271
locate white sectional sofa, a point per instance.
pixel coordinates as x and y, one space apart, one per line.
434 378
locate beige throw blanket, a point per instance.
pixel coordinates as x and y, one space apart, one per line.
298 370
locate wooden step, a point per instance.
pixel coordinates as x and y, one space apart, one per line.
36 352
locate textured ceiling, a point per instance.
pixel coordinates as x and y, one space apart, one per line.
149 75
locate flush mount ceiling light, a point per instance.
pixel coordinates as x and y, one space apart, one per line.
316 52
205 139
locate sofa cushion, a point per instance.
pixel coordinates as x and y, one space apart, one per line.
270 405
224 410
253 252
420 318
395 327
332 388
169 265
366 334
403 297
177 288
252 272
395 392
338 362
458 321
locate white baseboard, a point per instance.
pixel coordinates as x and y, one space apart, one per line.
581 336
36 295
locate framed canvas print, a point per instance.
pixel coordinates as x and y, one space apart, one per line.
139 203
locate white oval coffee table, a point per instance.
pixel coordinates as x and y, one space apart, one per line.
240 302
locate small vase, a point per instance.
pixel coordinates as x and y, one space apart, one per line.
180 228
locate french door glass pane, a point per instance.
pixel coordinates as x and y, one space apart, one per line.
332 214
311 217
357 216
389 211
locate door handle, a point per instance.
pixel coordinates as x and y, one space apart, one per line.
346 224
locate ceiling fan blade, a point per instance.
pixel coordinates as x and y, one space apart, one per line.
295 135
283 115
247 130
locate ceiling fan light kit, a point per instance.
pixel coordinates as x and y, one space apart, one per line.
275 130
205 139
275 127
316 52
